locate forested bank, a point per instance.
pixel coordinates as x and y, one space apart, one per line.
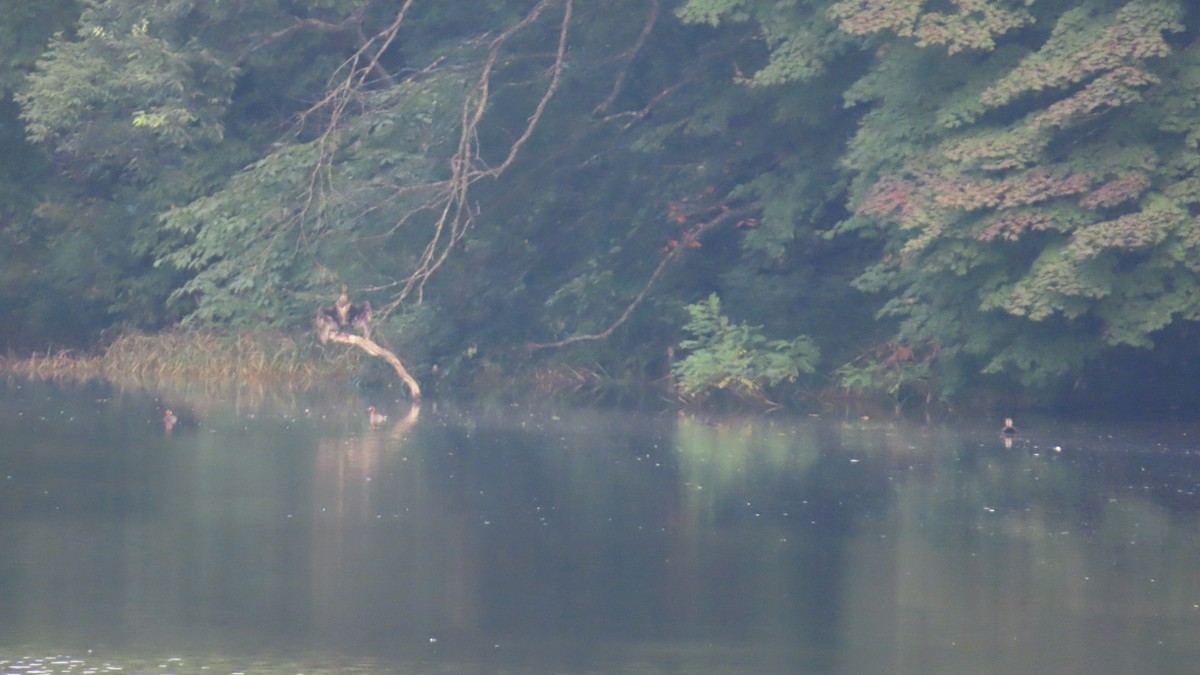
749 199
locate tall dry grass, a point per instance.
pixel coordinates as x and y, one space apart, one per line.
193 356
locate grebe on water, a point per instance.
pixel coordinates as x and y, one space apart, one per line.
375 417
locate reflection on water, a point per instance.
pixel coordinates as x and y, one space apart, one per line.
294 538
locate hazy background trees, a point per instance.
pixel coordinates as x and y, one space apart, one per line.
890 197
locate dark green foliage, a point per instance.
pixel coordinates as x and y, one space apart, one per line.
296 222
1027 205
24 32
1009 187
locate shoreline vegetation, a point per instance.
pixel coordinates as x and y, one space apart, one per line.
150 360
263 360
265 364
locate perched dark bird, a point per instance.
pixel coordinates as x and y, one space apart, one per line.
353 314
342 307
342 316
375 418
327 323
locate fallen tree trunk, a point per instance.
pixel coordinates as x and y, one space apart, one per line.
369 346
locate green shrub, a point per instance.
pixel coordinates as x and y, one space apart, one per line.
737 357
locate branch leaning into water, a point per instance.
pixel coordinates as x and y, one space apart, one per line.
685 242
369 346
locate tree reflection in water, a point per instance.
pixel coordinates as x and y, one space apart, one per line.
492 538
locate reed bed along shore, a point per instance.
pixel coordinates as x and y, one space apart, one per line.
251 357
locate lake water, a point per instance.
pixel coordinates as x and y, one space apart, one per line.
286 536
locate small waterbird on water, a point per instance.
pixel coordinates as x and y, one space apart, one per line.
1008 432
376 418
169 421
1008 429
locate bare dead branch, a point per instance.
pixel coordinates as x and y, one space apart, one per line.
629 56
448 201
634 115
685 242
352 22
467 167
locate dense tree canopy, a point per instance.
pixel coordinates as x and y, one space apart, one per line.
747 196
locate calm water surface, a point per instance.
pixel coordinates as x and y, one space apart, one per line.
286 536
